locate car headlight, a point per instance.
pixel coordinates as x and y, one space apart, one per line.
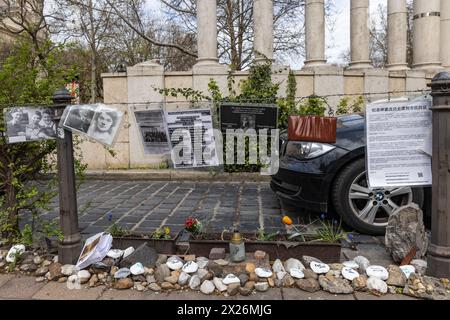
307 150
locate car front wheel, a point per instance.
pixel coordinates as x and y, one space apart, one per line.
365 209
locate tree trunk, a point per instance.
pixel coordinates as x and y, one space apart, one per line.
10 207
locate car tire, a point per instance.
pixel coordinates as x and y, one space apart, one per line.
340 197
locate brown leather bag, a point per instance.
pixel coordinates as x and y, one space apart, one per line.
312 129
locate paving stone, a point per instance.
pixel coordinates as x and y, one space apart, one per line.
60 291
5 278
20 287
368 296
297 294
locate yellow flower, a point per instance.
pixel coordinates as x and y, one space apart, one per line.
167 230
287 220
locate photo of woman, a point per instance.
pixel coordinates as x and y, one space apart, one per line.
105 125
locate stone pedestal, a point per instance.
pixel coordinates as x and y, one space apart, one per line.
359 35
315 33
397 35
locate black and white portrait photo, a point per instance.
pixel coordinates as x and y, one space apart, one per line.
79 118
248 121
29 124
105 125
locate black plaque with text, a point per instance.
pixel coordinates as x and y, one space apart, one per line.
248 116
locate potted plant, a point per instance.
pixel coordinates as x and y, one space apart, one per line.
322 243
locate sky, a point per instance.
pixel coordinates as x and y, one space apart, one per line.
337 41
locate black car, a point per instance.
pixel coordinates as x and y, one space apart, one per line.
332 177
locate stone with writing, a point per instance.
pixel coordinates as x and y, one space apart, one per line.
174 263
377 272
351 264
278 266
408 270
128 251
114 253
263 272
319 268
137 269
15 252
296 273
231 278
362 262
183 279
190 267
293 263
349 273
122 273
376 284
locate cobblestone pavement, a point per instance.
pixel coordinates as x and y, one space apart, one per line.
143 207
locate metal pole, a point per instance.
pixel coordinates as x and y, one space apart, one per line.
439 248
70 246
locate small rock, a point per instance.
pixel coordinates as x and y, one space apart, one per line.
183 279
194 282
41 271
62 280
231 278
360 283
293 263
271 282
253 277
351 264
37 260
219 284
25 267
309 274
174 263
150 279
408 270
222 262
138 278
123 284
245 291
162 259
40 279
55 259
93 280
243 278
127 252
282 274
308 285
207 287
15 252
297 273
46 263
335 285
100 267
420 265
233 289
83 276
349 273
189 257
137 269
363 263
154 287
204 274
308 259
336 266
260 255
171 279
376 284
122 273
140 287
250 285
288 281
113 271
68 269
250 267
263 272
55 271
190 267
167 286
115 253
261 286
217 254
162 272
319 268
278 266
215 269
396 277
202 262
377 272
149 271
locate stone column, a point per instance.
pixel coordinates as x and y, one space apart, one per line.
263 29
427 26
445 32
397 35
359 35
207 31
315 33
